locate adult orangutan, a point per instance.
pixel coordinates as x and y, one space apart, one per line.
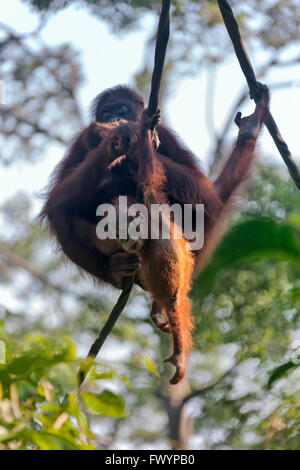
109 159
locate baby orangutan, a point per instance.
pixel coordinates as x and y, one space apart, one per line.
166 263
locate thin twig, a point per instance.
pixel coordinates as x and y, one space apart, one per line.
16 261
208 387
6 111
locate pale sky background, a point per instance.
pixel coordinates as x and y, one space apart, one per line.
108 60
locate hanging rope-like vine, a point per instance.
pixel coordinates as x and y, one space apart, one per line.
128 282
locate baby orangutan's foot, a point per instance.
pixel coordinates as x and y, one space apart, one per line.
158 319
160 322
179 361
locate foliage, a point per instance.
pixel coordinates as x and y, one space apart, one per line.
253 239
253 314
35 374
246 320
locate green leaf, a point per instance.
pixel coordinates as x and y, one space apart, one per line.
64 375
25 389
50 409
39 352
150 366
48 441
105 403
279 372
103 375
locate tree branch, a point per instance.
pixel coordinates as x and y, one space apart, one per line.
208 387
273 62
16 261
6 111
218 152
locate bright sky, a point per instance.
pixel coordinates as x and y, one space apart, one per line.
108 60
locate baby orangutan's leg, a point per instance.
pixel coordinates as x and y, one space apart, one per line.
180 321
168 278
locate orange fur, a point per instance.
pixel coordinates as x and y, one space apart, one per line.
95 170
